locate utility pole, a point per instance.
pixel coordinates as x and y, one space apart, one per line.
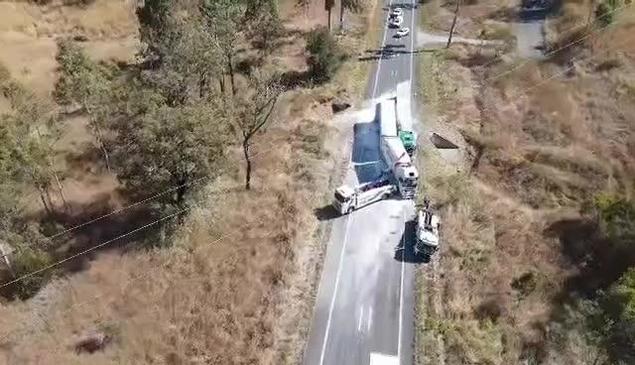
456 15
328 6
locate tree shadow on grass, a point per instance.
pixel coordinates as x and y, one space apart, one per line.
89 160
77 233
599 261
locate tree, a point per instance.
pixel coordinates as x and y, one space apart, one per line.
153 20
32 127
88 85
169 147
263 31
619 307
190 60
325 55
224 22
256 8
604 11
28 255
456 15
253 110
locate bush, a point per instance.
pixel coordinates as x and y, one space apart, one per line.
325 55
72 63
619 308
605 12
26 261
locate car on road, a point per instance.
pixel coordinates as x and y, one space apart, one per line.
395 22
402 32
396 12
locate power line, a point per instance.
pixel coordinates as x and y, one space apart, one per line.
171 216
120 210
146 274
556 74
222 237
48 267
570 44
93 248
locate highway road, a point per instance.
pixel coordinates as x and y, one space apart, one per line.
365 300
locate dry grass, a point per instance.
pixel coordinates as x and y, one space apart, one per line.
237 287
535 156
243 299
28 35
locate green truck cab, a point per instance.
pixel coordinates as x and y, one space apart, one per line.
409 141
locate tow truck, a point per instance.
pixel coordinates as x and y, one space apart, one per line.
348 198
428 224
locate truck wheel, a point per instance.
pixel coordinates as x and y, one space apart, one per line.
350 210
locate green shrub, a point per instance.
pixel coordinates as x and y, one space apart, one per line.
28 261
605 11
619 309
325 55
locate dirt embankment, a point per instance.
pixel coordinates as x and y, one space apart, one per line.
237 285
539 140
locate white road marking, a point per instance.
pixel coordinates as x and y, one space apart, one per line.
348 223
337 283
383 43
403 243
380 359
369 323
403 267
359 320
412 39
350 218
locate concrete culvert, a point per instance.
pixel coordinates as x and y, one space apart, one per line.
339 106
441 142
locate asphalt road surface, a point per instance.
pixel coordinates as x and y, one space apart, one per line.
365 301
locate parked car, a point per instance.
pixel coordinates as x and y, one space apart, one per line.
402 32
396 12
395 22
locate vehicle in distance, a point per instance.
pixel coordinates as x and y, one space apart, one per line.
396 12
402 32
428 223
395 22
348 198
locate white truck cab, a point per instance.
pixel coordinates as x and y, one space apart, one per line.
348 198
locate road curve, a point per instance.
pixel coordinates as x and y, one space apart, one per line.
365 301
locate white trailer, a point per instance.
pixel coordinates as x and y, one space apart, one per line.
388 118
348 198
397 159
393 151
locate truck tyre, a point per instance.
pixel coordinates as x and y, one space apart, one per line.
350 210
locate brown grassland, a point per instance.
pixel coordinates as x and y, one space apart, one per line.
539 140
237 286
